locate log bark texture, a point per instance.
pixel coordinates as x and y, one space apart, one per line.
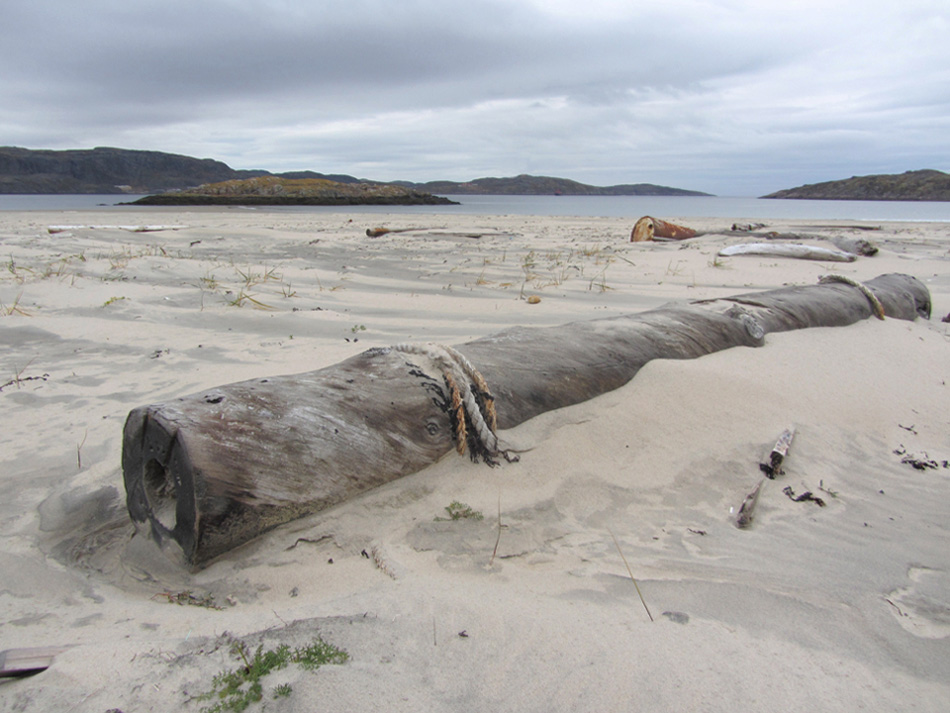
212 470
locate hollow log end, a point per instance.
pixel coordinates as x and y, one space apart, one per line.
642 230
649 228
159 503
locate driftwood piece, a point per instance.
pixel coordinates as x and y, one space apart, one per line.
53 229
858 246
847 243
775 235
376 232
212 470
746 513
432 232
649 228
794 250
27 661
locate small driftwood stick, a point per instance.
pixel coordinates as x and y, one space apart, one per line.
648 228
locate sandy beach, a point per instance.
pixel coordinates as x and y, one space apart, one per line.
843 607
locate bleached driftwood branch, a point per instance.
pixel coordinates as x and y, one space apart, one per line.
795 250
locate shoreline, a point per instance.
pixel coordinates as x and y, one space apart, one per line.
852 595
631 207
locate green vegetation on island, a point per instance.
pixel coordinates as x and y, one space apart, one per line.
271 190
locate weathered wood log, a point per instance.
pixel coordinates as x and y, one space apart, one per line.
212 470
376 232
793 250
53 229
858 246
648 228
430 232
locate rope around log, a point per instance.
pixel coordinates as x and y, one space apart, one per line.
470 401
876 305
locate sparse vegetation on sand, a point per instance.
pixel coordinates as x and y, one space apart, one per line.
236 690
459 511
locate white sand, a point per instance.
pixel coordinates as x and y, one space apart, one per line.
845 607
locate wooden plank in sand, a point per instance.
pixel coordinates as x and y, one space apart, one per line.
207 472
27 661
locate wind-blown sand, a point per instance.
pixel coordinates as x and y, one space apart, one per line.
842 607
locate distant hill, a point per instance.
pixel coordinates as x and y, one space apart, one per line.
525 185
924 185
106 170
273 190
112 170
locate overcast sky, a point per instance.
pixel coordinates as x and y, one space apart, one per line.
732 97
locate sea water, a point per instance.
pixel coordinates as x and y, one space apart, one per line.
633 207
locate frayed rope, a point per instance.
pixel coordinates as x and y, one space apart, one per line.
470 400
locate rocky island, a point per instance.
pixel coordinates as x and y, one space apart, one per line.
527 185
273 190
924 185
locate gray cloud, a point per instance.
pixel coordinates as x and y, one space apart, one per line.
728 96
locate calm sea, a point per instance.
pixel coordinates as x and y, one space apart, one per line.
585 206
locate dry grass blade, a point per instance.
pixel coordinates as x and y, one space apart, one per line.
14 308
79 449
497 539
19 372
630 572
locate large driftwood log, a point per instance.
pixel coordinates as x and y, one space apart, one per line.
214 469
